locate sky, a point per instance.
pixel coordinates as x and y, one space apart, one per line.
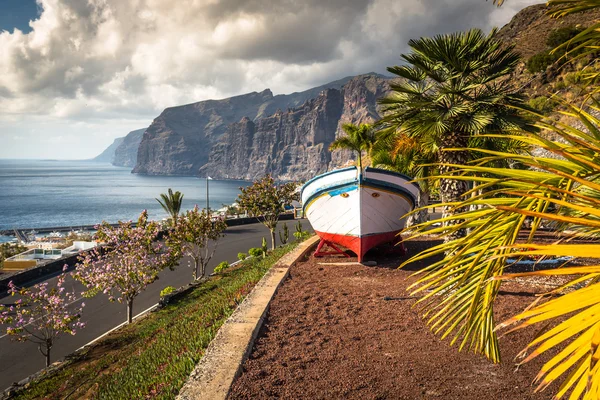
75 75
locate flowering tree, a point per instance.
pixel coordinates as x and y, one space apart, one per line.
195 234
265 199
129 261
41 315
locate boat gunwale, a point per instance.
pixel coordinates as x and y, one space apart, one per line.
367 169
393 173
335 171
364 182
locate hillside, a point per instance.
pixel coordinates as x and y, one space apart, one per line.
529 28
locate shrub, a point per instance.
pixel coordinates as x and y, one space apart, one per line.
255 252
540 61
560 85
166 291
543 104
562 35
221 267
572 78
242 256
284 237
300 234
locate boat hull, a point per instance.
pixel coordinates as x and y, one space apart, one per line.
356 211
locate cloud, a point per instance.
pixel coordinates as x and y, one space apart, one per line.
110 60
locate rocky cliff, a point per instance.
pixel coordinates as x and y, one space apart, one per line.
108 155
206 137
125 155
179 141
529 28
293 145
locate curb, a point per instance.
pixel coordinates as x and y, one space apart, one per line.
221 364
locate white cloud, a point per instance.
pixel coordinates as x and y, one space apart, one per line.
110 61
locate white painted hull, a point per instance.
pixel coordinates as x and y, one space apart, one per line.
358 212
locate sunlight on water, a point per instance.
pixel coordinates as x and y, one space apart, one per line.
35 193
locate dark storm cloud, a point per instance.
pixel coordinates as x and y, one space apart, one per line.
115 53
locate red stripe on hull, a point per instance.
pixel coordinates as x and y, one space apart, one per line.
359 245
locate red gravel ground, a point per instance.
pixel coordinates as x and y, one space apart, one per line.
350 332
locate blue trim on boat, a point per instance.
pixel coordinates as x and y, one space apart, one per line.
333 188
335 171
342 190
377 184
393 173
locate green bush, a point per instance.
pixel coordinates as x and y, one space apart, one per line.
562 35
573 78
285 235
543 104
255 252
8 250
167 290
221 267
242 256
540 61
560 85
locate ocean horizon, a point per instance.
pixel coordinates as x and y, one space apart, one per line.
72 193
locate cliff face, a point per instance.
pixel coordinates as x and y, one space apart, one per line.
125 155
179 141
108 155
294 144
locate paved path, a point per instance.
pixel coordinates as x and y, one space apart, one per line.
19 360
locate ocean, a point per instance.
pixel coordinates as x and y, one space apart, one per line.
46 193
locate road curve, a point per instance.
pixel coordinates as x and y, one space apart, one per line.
19 360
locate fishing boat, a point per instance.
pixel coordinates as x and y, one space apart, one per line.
358 210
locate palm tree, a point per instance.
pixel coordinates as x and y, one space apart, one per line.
358 138
406 155
454 88
171 203
564 191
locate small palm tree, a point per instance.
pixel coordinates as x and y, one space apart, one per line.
171 203
454 88
358 138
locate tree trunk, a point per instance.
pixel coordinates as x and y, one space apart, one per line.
196 269
129 311
452 190
421 216
272 239
48 346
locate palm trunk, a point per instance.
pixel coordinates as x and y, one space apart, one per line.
452 190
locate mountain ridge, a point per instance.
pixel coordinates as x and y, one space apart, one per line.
183 140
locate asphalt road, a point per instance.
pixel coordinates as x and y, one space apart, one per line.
18 360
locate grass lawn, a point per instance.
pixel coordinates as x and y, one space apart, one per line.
153 357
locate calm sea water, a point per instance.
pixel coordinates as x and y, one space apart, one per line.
37 193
